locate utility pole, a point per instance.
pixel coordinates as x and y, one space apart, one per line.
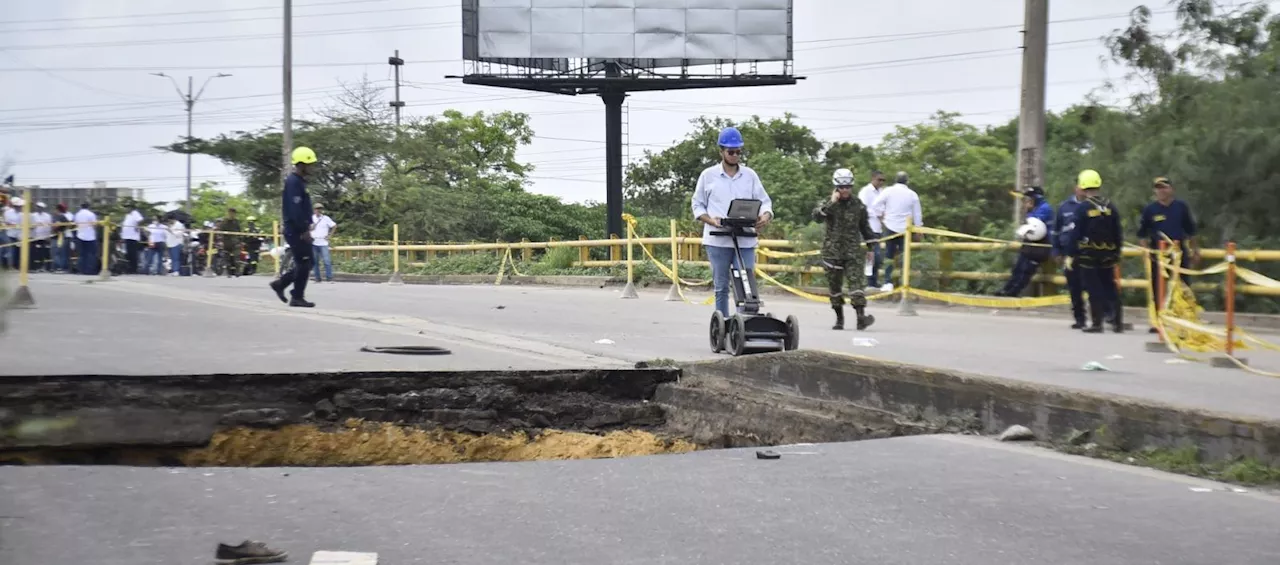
396 62
189 100
1031 120
287 126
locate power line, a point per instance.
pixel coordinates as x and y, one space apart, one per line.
226 20
220 38
191 12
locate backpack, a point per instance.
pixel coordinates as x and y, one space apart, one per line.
1100 231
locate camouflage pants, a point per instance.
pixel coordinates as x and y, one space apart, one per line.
849 269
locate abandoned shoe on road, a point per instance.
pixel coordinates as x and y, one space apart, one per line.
248 552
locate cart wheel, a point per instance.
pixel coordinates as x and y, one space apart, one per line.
736 335
793 334
717 332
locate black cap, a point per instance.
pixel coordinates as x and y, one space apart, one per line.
1032 191
1162 180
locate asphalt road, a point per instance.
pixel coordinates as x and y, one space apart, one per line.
929 499
191 325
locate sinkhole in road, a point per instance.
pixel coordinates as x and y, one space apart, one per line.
335 419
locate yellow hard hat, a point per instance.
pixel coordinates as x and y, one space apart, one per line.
1089 178
251 219
304 155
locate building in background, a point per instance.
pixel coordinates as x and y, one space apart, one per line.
97 195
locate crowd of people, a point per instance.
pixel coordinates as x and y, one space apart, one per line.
1084 237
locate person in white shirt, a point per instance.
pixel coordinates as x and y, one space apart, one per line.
41 232
87 240
154 256
868 196
893 208
132 237
12 233
322 228
173 242
718 185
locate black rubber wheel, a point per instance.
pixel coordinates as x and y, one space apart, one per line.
735 335
408 350
793 334
716 331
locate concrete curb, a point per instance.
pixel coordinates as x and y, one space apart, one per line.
950 399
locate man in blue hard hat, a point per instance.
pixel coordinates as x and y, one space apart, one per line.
718 185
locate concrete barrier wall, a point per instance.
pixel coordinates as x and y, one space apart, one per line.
940 399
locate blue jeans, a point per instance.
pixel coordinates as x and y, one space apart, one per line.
90 263
877 264
321 253
62 254
893 248
175 259
722 259
153 259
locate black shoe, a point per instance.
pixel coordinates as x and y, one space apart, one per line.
1077 326
1117 328
839 325
248 552
1096 329
301 303
279 288
1153 330
865 322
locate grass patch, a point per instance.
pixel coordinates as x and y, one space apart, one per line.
1188 460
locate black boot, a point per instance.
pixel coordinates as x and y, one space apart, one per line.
839 325
864 320
1097 315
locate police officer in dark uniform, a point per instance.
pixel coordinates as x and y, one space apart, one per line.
1034 250
1171 217
1096 244
296 212
844 248
1064 225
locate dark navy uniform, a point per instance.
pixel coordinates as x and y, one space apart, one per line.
1064 225
1097 242
1176 222
296 211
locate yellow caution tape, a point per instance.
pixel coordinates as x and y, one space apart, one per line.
958 235
1256 278
991 301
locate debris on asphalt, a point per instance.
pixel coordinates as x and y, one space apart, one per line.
1094 366
865 342
768 454
1017 433
1115 356
499 307
343 558
1201 489
1176 361
605 341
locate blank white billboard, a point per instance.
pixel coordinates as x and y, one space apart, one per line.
691 30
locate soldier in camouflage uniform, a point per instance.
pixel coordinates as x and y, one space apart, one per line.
231 242
844 248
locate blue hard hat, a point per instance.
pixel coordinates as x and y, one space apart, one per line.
730 137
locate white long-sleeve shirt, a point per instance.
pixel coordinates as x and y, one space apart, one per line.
156 232
129 228
173 235
868 196
716 189
894 205
42 225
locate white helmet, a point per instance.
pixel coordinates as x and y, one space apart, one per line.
842 177
16 201
1033 230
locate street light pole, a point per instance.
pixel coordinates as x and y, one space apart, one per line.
287 78
189 100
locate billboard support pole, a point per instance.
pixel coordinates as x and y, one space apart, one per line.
613 152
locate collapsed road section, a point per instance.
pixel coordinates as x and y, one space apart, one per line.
391 418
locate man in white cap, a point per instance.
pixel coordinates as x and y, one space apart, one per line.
12 233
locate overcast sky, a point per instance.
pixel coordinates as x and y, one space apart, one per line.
79 104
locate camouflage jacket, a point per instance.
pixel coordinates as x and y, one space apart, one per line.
848 228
